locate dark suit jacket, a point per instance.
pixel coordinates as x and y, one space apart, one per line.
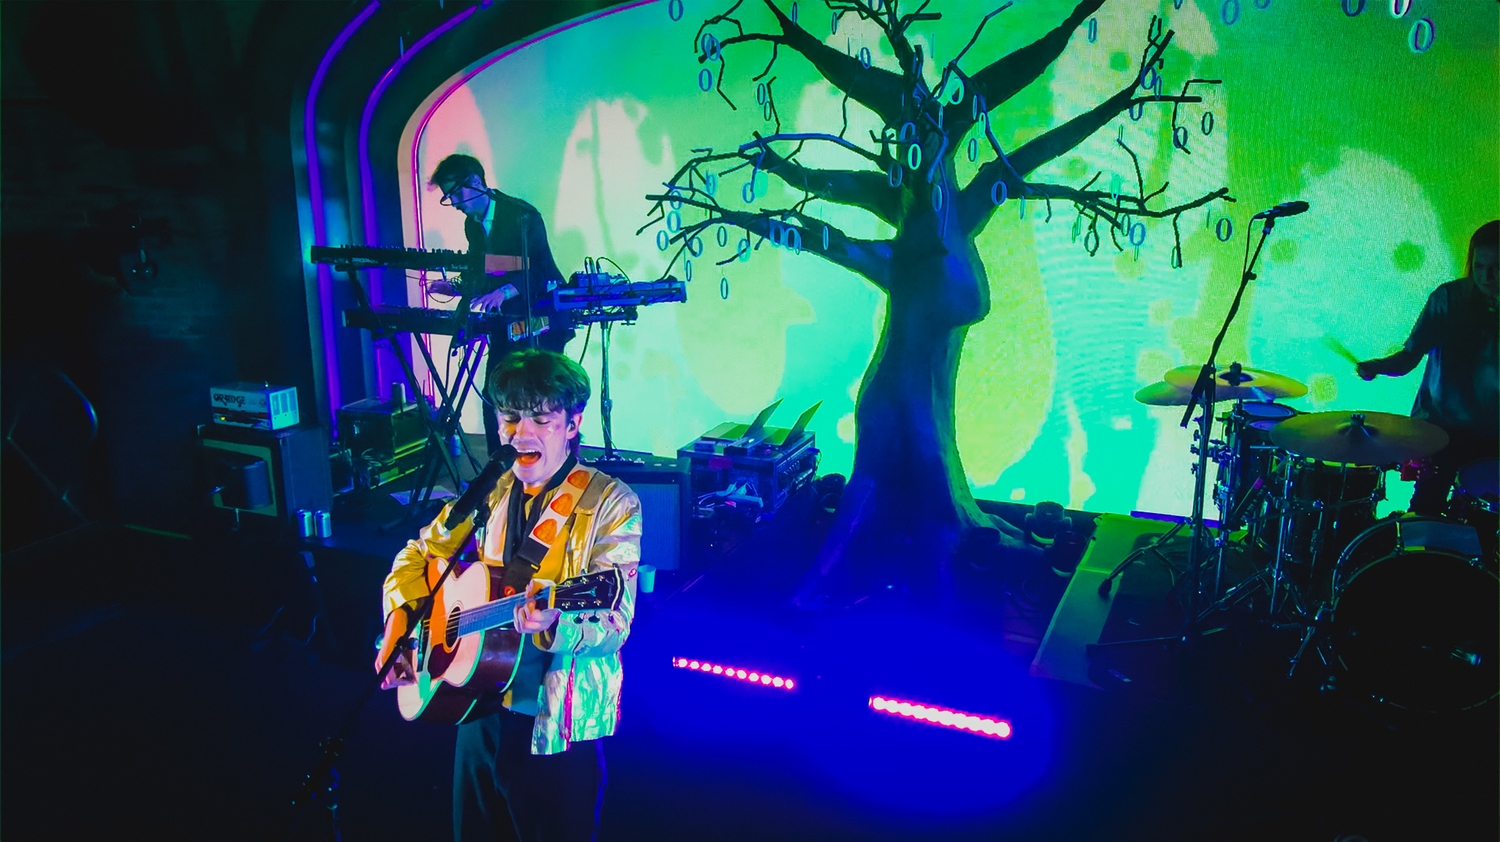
513 219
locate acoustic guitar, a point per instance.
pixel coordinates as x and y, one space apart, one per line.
468 645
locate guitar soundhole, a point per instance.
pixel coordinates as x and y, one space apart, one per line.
450 629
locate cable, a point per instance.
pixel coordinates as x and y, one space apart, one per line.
586 335
623 273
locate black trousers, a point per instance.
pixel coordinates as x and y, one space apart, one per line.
1429 494
501 791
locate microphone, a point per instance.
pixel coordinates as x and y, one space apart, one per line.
474 496
1284 209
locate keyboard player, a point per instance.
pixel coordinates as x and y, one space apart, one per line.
495 223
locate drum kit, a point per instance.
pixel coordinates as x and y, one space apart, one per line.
1402 610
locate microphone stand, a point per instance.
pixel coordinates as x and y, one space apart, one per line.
320 786
1204 395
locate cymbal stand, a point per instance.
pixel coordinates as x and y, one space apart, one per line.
320 787
1204 396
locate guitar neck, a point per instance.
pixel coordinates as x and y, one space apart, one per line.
497 614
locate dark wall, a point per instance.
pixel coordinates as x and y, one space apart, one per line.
168 126
164 125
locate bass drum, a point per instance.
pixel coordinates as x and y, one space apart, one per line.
1414 616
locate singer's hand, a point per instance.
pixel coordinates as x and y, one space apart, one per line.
404 670
530 619
441 287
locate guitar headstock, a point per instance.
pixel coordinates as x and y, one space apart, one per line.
592 592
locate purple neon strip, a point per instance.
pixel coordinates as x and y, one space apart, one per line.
315 198
366 178
416 144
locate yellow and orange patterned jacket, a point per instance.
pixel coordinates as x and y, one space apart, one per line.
579 697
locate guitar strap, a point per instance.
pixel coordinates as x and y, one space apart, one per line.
529 539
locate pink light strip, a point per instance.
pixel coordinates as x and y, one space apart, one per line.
754 677
957 720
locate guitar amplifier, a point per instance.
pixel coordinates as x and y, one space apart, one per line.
296 460
661 483
258 406
388 428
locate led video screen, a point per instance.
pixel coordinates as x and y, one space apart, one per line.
1380 114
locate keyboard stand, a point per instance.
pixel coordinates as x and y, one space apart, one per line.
439 422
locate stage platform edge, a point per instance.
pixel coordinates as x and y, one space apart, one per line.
1080 614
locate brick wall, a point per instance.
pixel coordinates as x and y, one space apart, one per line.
206 166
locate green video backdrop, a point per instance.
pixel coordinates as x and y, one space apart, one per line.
1379 113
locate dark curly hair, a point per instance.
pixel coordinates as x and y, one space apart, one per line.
534 380
456 168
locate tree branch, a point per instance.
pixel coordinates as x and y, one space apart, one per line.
1006 76
876 89
864 190
870 259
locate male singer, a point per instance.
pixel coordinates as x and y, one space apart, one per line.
532 758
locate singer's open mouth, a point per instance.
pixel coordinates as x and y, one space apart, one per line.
528 457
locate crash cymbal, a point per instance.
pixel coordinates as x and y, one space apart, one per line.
1255 384
1359 438
1162 393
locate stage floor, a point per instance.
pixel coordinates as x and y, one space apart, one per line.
180 688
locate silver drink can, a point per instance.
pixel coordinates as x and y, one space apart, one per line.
325 524
305 523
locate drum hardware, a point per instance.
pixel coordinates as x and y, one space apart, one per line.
1476 502
1310 628
1209 384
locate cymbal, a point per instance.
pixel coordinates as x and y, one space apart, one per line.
1162 393
1257 385
1359 438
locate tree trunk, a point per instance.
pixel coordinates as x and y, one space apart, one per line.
907 506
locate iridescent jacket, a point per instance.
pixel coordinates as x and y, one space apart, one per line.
579 697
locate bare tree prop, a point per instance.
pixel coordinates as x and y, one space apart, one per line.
908 501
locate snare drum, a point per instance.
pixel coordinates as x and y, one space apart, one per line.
1325 505
1414 616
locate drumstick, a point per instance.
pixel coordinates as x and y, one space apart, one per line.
1338 348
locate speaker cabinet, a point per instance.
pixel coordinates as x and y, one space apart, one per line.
661 482
296 459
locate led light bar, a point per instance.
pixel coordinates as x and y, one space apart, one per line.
932 715
754 677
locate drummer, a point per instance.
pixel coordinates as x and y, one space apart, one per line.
1456 332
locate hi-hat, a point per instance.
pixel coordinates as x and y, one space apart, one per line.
1162 393
1254 384
1359 438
